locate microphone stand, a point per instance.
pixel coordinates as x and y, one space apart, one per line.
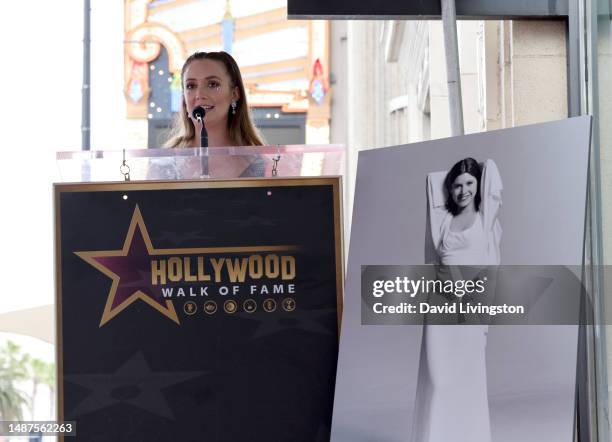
203 149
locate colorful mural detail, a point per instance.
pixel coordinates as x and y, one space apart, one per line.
318 89
138 83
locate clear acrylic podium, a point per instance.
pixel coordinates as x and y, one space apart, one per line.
200 163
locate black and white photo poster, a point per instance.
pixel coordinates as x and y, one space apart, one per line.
514 197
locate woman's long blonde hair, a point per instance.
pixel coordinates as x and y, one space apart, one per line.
241 129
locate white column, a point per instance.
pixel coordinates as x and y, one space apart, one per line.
438 90
361 102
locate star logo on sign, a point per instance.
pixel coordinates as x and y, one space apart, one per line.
133 383
129 269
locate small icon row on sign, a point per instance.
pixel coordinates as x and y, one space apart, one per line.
231 306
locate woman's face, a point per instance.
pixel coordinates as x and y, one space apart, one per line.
206 83
463 190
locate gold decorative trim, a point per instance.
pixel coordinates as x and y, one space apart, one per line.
143 44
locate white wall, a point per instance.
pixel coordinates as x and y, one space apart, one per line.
40 114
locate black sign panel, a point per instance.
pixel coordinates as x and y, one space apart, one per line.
198 311
425 9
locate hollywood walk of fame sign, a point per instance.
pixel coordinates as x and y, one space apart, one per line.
203 310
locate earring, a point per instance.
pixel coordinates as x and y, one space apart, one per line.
233 108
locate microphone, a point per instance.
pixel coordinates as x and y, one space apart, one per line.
198 113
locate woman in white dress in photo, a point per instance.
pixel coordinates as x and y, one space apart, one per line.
463 229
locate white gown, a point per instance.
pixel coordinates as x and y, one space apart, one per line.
469 246
451 401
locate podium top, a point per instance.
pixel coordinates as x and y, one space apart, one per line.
195 163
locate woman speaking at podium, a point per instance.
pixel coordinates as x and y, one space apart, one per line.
212 80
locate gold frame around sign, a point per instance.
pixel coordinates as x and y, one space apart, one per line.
59 188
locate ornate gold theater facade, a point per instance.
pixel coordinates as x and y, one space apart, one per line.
285 64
